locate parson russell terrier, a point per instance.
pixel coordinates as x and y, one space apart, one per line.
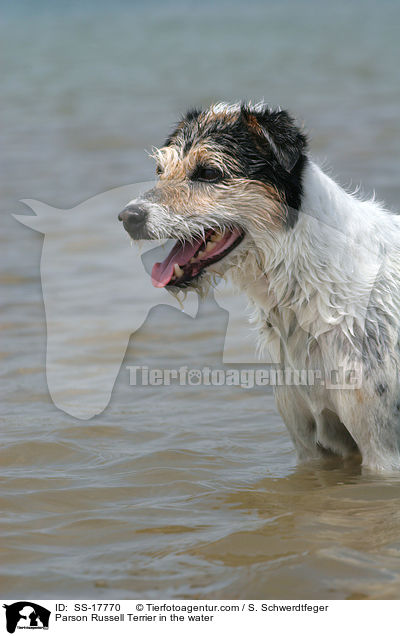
321 267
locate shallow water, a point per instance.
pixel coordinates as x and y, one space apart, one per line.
177 491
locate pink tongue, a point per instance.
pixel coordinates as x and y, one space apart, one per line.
181 254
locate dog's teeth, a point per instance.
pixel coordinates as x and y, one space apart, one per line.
217 236
178 271
200 254
210 246
192 260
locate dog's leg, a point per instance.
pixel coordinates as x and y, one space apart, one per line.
300 422
374 423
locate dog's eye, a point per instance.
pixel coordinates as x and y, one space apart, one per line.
211 175
159 170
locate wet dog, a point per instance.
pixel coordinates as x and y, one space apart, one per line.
239 192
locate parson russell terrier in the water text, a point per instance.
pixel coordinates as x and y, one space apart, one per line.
321 267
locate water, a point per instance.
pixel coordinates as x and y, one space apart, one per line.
178 491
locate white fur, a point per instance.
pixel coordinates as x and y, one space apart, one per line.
326 296
322 280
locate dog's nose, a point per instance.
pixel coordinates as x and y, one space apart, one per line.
133 217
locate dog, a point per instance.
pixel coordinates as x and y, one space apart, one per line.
240 193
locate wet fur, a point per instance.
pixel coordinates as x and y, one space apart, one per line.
320 266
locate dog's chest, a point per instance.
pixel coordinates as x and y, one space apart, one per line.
294 341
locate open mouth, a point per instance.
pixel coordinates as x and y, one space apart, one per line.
186 261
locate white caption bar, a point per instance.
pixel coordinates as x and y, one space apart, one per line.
186 617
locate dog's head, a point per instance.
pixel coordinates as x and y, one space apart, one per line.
228 177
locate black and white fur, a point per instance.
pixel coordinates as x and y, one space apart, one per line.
322 275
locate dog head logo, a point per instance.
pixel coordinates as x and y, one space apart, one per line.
84 254
26 615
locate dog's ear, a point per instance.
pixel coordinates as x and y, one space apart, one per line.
276 131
